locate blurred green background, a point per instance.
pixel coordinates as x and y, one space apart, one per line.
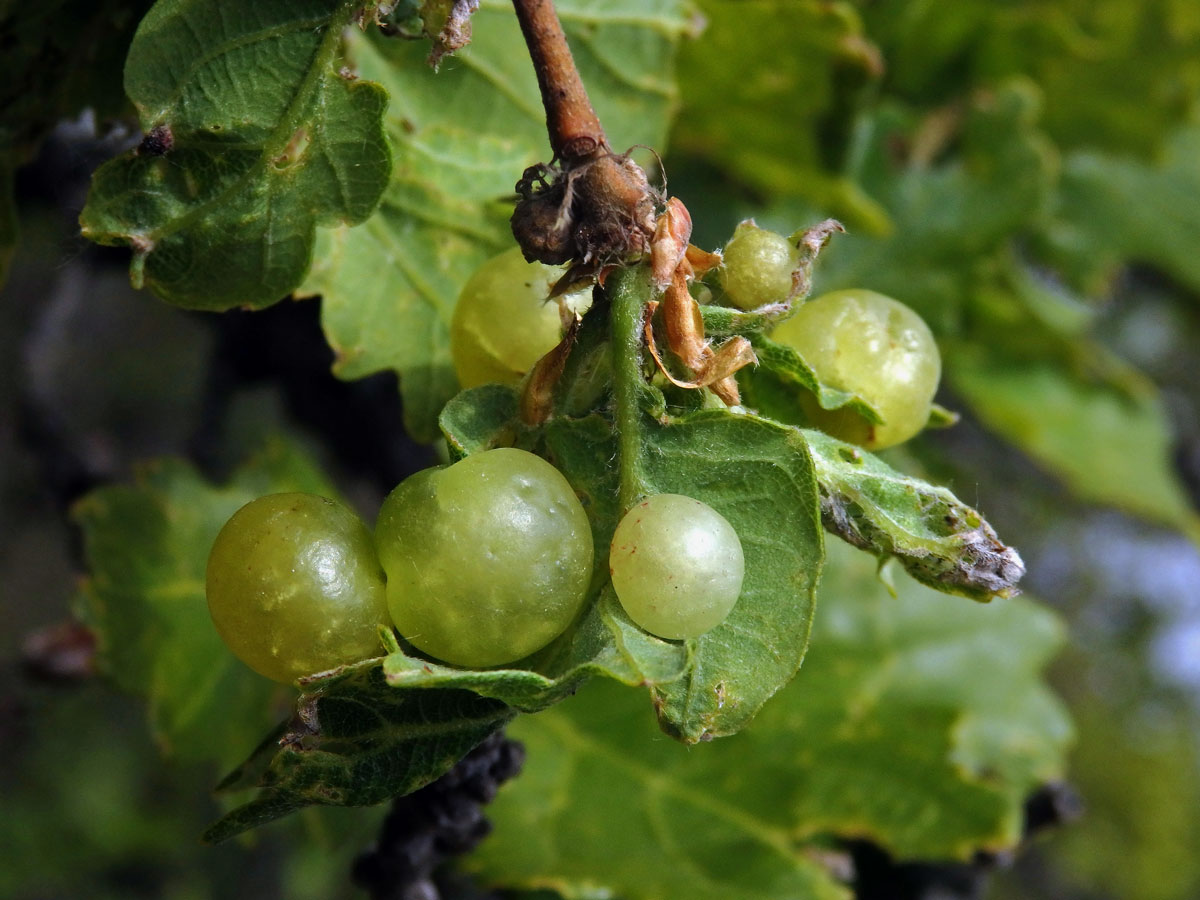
1024 174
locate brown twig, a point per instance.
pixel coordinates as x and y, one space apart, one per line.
574 128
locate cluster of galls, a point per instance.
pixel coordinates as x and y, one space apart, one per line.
591 209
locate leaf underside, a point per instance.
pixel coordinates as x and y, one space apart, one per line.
918 723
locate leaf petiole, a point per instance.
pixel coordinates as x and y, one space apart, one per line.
628 290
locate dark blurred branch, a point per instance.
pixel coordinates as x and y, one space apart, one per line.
440 821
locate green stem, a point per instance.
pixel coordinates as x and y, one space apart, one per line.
628 290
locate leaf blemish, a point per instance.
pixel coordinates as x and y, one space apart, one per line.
294 150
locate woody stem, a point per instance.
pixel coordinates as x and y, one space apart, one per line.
573 126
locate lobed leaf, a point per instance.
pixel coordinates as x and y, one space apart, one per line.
260 139
938 539
605 804
919 724
759 476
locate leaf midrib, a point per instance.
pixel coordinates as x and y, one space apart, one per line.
282 133
776 838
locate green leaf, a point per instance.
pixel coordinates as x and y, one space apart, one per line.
605 804
759 476
1116 75
939 540
603 642
918 723
268 140
479 419
146 547
780 364
789 367
356 742
1114 210
765 90
1109 443
461 139
951 217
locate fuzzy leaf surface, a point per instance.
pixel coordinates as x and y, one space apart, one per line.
462 138
479 419
268 141
759 476
146 547
918 723
938 539
356 742
756 474
787 365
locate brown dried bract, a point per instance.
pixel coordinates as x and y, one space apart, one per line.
672 269
717 374
537 396
669 247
